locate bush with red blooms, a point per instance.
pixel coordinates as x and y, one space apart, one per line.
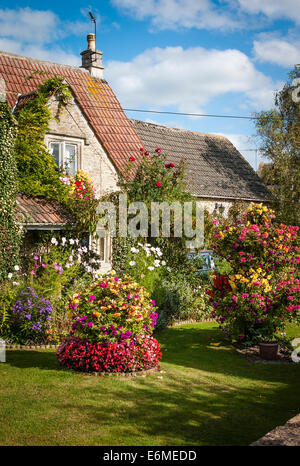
125 356
113 322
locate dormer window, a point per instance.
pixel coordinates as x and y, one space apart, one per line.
66 155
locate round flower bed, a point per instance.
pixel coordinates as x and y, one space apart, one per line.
112 329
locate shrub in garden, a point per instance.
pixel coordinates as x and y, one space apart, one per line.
113 322
260 293
31 316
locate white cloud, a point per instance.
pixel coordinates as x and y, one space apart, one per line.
284 52
33 32
188 79
171 14
273 9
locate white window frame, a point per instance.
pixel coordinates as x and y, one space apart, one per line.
63 141
94 245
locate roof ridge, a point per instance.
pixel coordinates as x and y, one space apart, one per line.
44 62
219 136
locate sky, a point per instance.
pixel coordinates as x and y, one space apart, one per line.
224 57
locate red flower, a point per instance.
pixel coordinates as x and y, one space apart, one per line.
158 150
132 158
170 165
142 149
158 184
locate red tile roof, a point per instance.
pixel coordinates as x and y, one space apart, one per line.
95 97
40 212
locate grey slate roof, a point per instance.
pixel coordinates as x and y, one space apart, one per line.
214 167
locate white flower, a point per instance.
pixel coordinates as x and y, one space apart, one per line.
16 267
54 241
63 240
71 258
142 275
157 263
169 269
134 250
150 268
72 241
148 245
158 252
84 249
132 263
163 262
15 283
9 276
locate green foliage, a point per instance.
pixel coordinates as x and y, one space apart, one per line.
38 174
10 234
279 131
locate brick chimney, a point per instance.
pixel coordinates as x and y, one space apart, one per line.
92 58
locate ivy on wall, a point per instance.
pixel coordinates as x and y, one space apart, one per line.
37 172
10 234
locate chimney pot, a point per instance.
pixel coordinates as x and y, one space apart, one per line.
91 39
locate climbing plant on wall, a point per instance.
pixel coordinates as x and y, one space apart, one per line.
38 174
10 234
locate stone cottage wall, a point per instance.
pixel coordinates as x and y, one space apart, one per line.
72 125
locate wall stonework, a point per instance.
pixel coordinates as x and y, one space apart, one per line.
93 158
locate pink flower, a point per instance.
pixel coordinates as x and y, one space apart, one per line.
32 272
243 259
91 298
36 258
234 298
290 298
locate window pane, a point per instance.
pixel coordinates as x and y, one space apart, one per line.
70 159
54 150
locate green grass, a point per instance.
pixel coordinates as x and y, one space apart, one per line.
206 395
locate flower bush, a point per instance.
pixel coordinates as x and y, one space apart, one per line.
31 316
113 318
260 294
81 200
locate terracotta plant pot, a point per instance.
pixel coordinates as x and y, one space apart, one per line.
268 351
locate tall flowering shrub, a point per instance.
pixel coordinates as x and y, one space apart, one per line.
260 294
112 317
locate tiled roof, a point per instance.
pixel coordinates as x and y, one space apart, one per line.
95 97
214 167
40 212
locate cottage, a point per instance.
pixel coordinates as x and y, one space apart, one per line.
95 135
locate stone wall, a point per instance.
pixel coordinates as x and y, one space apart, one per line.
93 159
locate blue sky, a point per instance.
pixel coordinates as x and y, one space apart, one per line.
197 56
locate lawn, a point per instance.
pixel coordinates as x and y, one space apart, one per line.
206 395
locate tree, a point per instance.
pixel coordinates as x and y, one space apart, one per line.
279 132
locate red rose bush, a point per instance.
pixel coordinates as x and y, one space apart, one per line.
112 328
